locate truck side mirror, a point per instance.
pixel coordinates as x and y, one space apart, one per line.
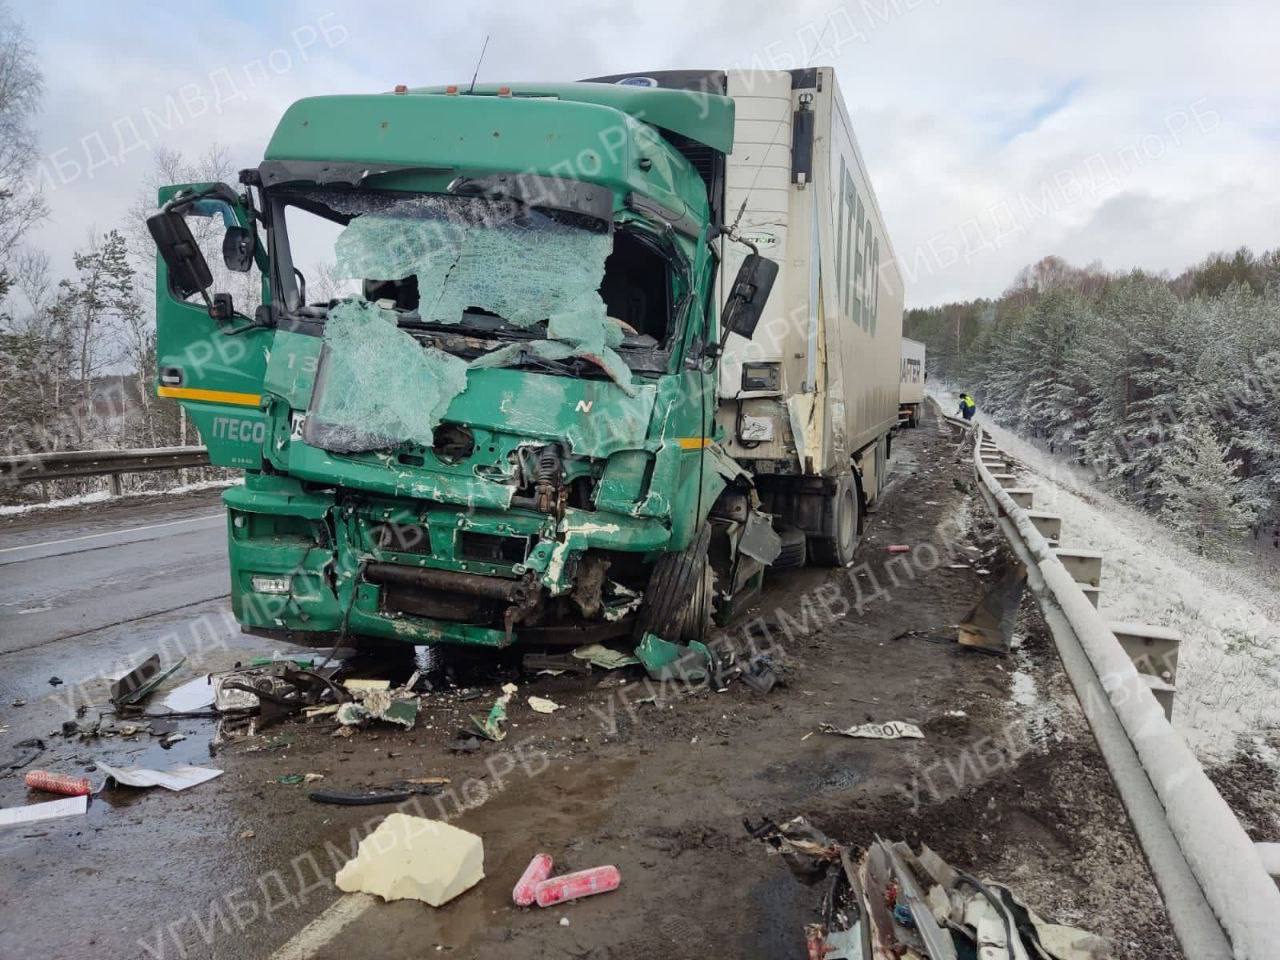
237 249
188 271
751 289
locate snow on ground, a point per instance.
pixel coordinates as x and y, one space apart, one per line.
1229 613
103 496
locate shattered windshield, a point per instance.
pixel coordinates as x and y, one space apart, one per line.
418 288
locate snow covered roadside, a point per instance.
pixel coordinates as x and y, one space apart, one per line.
1229 613
104 496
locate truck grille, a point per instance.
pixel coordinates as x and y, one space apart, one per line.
403 538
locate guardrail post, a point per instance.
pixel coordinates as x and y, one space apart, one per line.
1021 496
1153 649
117 485
1085 566
1048 524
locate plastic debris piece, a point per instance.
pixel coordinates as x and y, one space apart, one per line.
137 684
57 783
888 730
574 886
38 812
181 777
671 661
539 868
543 705
413 858
898 548
358 687
360 798
597 654
195 694
494 726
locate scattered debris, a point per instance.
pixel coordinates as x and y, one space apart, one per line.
898 903
887 730
57 783
38 812
989 625
761 674
181 777
555 663
290 779
134 686
494 726
160 727
413 858
24 751
247 835
539 868
597 654
195 694
366 686
19 702
574 886
55 681
671 661
364 798
171 739
898 548
543 705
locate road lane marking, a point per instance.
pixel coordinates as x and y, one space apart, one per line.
111 533
304 944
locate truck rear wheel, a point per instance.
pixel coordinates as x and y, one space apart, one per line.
837 549
679 583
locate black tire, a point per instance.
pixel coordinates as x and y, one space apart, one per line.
838 549
664 609
794 549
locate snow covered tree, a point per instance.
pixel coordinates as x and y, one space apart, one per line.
1203 495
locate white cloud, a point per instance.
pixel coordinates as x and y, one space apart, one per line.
939 91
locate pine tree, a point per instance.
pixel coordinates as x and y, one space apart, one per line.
1204 496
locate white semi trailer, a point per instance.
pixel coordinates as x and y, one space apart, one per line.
911 392
809 404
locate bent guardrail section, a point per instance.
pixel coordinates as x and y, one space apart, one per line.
1221 901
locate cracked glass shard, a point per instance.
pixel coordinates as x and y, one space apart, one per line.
481 260
377 386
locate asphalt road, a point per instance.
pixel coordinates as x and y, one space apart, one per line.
69 577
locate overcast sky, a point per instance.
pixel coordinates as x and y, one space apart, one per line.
1134 133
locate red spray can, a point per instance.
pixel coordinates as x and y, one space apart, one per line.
539 869
571 886
58 783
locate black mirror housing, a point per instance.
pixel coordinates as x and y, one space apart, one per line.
238 249
188 271
751 288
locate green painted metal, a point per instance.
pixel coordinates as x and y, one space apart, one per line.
704 117
313 515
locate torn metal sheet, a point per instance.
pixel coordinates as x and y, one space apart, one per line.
888 730
759 540
139 683
181 777
990 624
40 812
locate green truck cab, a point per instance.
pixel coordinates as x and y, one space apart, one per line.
489 416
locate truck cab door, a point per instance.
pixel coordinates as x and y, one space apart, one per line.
215 367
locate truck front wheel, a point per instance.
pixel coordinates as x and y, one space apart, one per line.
678 597
837 550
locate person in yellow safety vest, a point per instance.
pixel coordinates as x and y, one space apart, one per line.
967 406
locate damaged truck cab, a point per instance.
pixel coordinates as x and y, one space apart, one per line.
473 376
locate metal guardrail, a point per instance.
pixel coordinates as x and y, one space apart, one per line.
68 464
1221 901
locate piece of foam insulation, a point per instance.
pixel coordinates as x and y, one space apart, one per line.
413 858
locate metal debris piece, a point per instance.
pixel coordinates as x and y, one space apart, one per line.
887 730
494 726
990 624
137 684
